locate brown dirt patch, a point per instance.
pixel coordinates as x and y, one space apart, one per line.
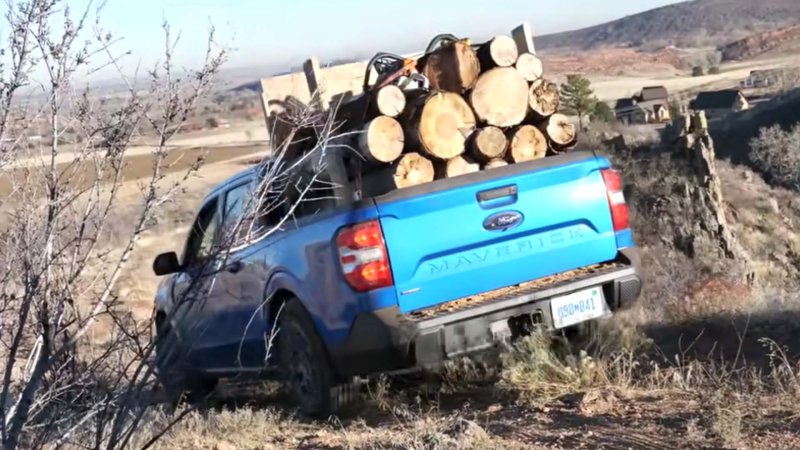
612 61
136 167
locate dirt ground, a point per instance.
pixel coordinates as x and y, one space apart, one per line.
675 408
137 166
608 87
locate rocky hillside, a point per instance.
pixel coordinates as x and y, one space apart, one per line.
693 23
760 43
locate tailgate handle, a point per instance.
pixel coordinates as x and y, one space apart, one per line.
488 198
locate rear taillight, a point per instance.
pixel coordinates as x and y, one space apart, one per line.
363 256
616 199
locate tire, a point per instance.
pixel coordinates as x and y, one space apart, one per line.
306 371
177 380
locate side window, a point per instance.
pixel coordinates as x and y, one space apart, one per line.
312 194
202 236
239 213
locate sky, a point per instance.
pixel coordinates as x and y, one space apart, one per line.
285 32
281 34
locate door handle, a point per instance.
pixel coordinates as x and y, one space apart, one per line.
234 267
499 197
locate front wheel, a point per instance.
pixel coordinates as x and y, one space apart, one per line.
307 373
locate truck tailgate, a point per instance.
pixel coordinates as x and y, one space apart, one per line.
484 231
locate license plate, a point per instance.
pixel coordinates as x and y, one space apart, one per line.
578 307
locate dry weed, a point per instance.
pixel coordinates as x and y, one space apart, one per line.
533 366
726 418
463 374
380 393
244 428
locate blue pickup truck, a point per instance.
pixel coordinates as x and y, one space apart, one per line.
399 281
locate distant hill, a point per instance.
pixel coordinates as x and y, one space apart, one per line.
687 24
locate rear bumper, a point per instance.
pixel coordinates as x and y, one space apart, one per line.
386 340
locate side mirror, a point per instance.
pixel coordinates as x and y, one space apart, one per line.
166 263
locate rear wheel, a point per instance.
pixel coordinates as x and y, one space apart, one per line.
172 373
306 370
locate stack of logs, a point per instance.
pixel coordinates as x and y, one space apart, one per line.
482 107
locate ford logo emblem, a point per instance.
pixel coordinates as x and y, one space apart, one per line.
503 221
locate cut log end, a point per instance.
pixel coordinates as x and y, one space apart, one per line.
499 52
561 133
413 169
495 163
527 144
500 97
382 140
452 68
443 124
390 101
543 98
488 143
530 66
457 166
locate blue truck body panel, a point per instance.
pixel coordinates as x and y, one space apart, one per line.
304 261
440 250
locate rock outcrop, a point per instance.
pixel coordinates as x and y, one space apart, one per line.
697 208
757 44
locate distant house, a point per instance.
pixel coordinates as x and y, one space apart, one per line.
654 94
651 105
720 103
760 79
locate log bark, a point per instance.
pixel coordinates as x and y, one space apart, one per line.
438 124
500 97
501 51
527 143
543 99
452 68
389 101
495 163
560 132
460 165
381 140
530 66
488 143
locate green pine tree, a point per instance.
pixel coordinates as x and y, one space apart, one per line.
577 95
601 112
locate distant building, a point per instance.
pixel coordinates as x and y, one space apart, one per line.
720 103
651 105
760 79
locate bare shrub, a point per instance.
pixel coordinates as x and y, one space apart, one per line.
58 264
776 152
62 253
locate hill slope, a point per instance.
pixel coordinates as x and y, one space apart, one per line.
694 23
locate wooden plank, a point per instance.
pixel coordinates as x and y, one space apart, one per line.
523 36
316 83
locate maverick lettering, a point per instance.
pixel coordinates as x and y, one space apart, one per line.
481 257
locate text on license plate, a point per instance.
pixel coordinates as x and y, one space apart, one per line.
578 307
